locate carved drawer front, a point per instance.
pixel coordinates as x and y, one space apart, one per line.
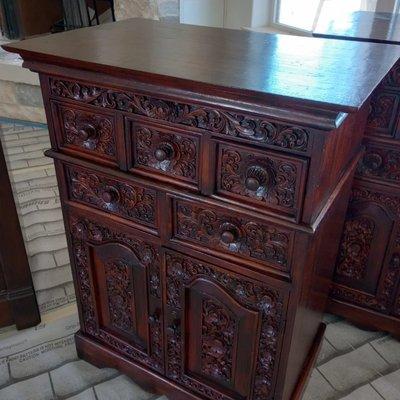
262 179
85 132
234 124
224 232
383 119
235 323
380 163
123 198
164 153
368 265
118 281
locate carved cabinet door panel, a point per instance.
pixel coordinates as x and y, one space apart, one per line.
223 330
364 242
368 266
118 280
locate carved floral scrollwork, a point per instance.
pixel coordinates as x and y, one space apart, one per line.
85 232
170 153
127 200
181 271
119 283
380 163
382 301
237 235
89 131
355 247
382 112
270 180
217 340
253 128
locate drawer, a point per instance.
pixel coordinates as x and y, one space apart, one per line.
261 178
167 154
124 199
232 235
87 133
381 162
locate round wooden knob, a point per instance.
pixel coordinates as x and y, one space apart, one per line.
256 176
87 131
107 196
228 237
160 155
252 183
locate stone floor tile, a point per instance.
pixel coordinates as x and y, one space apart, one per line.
42 261
344 336
43 244
43 357
73 377
52 298
388 386
318 388
327 351
25 390
51 278
366 392
4 374
121 388
389 349
62 257
329 318
85 395
41 216
354 368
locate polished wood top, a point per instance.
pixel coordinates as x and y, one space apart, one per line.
361 25
335 75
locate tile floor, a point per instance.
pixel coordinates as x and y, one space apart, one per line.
41 363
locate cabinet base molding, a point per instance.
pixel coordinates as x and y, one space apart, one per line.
364 318
102 357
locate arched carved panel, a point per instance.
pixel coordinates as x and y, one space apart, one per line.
363 246
253 310
371 246
118 264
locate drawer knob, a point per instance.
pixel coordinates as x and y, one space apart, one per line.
252 183
228 237
255 177
87 131
164 152
108 196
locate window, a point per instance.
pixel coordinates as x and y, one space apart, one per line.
304 15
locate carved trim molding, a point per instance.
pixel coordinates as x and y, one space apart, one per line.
392 203
85 232
181 271
218 121
380 163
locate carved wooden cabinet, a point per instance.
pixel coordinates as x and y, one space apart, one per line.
203 197
367 275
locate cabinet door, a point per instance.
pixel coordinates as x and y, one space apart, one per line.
223 330
368 266
118 281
